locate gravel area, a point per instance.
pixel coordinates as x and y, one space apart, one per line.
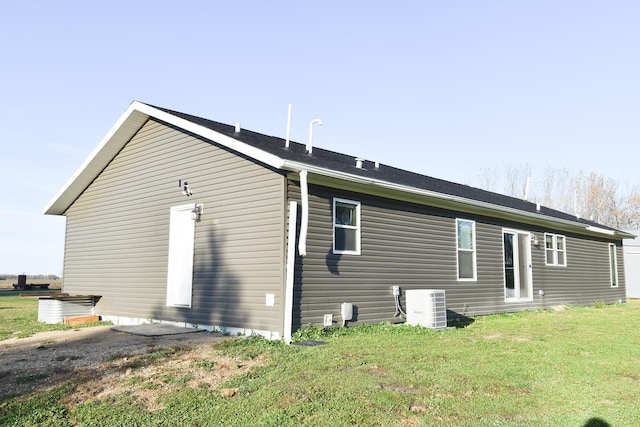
51 358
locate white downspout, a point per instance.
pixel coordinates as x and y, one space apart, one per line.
304 221
291 262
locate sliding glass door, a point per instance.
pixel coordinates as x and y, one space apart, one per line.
517 265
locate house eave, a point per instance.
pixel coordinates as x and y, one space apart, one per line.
138 113
453 202
122 131
119 135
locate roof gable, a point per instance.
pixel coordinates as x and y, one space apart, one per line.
271 151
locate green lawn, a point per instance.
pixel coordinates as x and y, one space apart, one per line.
19 315
542 368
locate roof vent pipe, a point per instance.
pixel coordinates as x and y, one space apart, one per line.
359 162
237 130
377 164
286 141
310 143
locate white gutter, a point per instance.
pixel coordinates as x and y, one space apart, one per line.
304 221
297 167
137 114
291 262
600 230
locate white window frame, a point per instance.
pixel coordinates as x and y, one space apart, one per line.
357 227
613 265
473 251
522 266
554 250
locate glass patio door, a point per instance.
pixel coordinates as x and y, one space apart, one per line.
517 265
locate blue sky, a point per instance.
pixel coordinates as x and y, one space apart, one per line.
440 88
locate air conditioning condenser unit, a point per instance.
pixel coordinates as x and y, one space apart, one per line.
426 307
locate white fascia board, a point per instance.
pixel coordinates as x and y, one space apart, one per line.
121 132
515 213
226 141
600 230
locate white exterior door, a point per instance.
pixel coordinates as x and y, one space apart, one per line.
180 268
517 266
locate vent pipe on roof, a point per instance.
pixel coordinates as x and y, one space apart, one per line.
377 164
237 129
359 162
310 143
286 141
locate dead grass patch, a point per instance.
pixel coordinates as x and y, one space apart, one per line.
152 376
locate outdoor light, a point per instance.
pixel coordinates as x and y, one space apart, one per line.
534 240
196 212
185 188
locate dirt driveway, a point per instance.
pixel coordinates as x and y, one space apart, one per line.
102 357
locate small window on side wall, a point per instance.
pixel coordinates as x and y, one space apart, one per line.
555 250
346 227
613 265
466 242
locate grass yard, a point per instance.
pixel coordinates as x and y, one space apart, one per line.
575 367
19 315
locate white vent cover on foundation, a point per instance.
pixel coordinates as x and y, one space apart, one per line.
426 307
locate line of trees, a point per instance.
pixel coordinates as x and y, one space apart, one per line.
30 277
587 195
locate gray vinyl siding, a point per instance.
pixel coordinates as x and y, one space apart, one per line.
117 233
586 278
414 246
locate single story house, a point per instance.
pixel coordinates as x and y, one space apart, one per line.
177 218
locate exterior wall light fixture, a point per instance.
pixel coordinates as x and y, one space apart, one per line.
185 188
196 212
534 240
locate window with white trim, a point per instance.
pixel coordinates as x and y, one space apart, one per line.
466 244
346 227
613 265
555 249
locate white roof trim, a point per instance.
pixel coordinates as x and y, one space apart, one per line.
297 166
138 113
122 131
119 134
600 230
255 153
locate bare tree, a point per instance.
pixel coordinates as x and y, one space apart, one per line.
488 179
517 179
587 195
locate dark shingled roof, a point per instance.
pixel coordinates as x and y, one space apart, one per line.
346 163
